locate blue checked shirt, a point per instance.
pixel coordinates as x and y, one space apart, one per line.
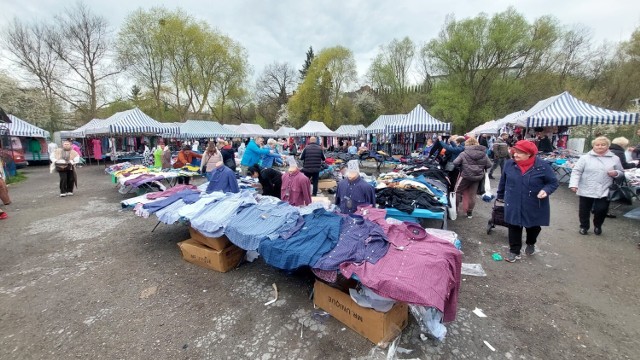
212 220
318 235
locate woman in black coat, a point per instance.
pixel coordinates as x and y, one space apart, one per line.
618 147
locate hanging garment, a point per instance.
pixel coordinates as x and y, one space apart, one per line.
97 149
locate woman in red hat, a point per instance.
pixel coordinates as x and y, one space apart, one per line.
524 188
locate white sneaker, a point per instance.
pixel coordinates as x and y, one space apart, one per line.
69 194
63 195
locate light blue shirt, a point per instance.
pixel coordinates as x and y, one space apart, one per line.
263 221
213 218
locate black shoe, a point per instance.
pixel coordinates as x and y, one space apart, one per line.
530 250
597 230
583 231
611 216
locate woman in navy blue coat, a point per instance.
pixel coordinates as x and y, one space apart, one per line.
525 187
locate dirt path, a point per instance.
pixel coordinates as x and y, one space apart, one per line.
72 271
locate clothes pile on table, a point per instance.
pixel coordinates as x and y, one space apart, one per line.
131 178
392 260
413 188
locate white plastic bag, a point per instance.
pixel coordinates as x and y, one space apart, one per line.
487 196
453 214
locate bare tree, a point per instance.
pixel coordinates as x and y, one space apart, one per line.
276 83
69 57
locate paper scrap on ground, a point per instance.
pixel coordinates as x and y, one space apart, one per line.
479 312
146 293
473 270
489 345
275 288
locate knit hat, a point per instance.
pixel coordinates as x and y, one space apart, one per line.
527 147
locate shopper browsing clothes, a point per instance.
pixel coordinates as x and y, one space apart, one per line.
64 161
473 162
525 186
270 180
591 178
313 157
185 157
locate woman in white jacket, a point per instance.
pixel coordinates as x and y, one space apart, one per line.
64 161
591 178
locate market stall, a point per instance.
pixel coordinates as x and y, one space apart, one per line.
347 135
284 132
411 132
204 129
375 134
124 133
27 138
250 130
494 127
314 128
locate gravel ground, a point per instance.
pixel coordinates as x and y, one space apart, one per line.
80 278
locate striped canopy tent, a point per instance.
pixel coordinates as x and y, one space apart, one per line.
418 121
314 128
351 131
197 129
379 126
81 131
132 121
250 130
284 131
19 127
494 126
566 110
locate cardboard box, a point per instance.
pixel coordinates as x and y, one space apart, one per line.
216 243
374 325
218 260
326 184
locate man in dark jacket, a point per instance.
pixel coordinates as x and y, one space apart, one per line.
312 156
500 154
270 179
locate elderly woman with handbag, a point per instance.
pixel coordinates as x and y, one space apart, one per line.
64 161
591 178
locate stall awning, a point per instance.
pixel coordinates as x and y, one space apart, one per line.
418 121
81 131
349 130
314 128
196 129
566 110
284 131
494 126
379 126
250 130
132 121
19 127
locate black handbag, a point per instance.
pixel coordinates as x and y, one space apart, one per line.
620 192
62 167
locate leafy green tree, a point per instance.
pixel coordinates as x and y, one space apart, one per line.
389 72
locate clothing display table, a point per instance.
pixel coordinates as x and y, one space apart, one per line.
418 214
563 173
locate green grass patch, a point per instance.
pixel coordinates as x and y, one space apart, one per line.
16 179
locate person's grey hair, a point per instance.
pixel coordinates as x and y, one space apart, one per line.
621 141
601 139
272 142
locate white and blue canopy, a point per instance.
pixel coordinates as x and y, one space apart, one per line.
81 131
197 129
494 126
19 127
349 130
314 128
249 130
132 121
566 110
379 126
418 121
284 131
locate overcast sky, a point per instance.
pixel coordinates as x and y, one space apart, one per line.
283 30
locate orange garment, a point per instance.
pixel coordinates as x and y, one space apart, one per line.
184 159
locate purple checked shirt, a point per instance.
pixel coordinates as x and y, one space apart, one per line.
360 240
418 268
